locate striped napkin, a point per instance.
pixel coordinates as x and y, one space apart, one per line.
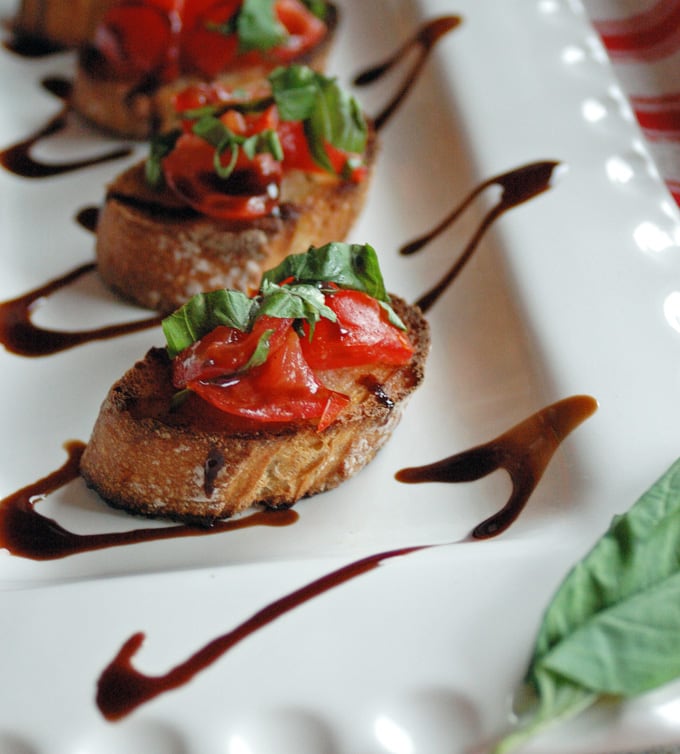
642 38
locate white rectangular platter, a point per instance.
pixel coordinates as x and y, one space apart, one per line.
572 292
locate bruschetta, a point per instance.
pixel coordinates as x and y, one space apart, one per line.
234 189
144 51
264 399
59 23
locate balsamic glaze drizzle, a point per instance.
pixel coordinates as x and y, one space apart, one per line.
524 451
121 688
29 46
20 336
518 186
17 158
423 41
25 533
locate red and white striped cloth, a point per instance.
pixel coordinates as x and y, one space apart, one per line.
642 38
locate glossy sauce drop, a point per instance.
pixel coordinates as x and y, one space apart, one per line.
518 186
19 335
25 533
523 451
423 41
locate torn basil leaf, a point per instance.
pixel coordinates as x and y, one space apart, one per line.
258 27
613 626
329 114
203 313
160 146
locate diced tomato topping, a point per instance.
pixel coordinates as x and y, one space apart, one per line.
361 335
297 154
305 30
283 389
136 39
252 190
170 37
225 350
206 50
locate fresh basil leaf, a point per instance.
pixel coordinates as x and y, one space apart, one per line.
353 266
258 27
392 317
329 114
295 89
314 130
214 132
558 700
160 146
301 301
211 129
337 118
203 313
318 7
613 626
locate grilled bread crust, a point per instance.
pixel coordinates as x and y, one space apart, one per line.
192 464
137 110
157 252
69 24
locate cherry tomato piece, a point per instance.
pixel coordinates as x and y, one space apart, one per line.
361 335
252 190
283 389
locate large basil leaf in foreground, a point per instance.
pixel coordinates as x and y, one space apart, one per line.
613 627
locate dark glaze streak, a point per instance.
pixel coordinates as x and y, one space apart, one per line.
28 46
121 688
523 451
424 41
518 186
87 218
19 335
17 159
60 87
25 533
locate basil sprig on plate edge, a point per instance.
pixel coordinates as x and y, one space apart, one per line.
296 289
613 626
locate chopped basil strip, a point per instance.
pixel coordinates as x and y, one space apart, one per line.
299 301
318 7
293 290
261 352
613 627
329 116
160 146
351 266
213 130
329 113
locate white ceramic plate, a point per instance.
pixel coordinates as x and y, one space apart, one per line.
573 292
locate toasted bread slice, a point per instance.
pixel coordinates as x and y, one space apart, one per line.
139 109
194 464
68 24
157 252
